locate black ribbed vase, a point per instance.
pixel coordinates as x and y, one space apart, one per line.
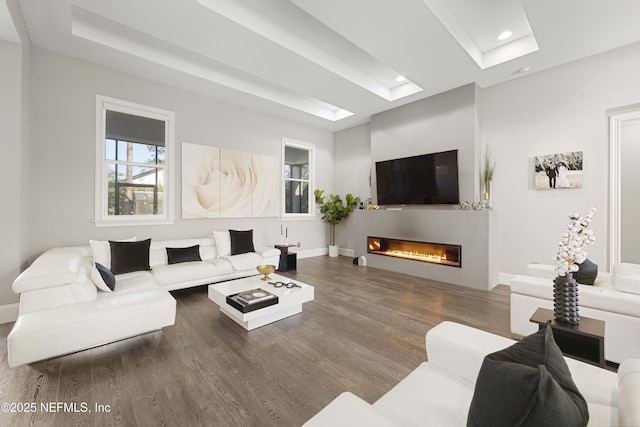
565 299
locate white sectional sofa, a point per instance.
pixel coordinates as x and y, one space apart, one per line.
439 392
614 298
63 311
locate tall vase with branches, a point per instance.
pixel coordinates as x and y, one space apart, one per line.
571 253
488 170
334 210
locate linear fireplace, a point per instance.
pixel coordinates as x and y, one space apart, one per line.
435 253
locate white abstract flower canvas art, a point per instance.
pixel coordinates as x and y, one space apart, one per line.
221 183
265 184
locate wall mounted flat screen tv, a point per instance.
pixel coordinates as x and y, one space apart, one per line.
428 179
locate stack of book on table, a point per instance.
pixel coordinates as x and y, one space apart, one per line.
251 300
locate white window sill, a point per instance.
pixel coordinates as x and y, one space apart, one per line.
298 218
124 222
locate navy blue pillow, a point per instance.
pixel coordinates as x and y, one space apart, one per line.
105 280
189 254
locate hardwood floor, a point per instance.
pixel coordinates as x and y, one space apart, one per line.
363 333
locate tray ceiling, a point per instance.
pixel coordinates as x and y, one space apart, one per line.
332 63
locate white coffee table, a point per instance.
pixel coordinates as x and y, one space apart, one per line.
289 300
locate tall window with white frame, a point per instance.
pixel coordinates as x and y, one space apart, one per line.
133 163
298 175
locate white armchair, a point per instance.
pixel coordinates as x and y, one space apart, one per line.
439 392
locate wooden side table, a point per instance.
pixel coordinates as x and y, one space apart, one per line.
288 260
584 341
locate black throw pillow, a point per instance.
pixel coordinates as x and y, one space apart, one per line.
527 384
129 256
587 272
177 255
241 242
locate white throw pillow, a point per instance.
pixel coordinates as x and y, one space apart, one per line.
102 250
223 242
626 277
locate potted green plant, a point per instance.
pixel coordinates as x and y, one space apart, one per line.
334 211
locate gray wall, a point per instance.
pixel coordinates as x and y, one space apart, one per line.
439 123
352 162
352 165
475 231
443 122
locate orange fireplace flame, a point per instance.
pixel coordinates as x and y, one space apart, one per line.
420 256
417 251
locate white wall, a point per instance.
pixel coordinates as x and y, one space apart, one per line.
62 191
558 110
15 122
11 213
25 137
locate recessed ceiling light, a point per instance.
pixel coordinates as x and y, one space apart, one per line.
525 69
401 79
505 35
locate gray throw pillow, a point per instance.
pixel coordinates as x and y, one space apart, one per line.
527 384
587 272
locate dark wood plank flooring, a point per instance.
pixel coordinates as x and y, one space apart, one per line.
363 333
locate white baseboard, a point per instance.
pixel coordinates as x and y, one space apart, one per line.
505 278
309 253
347 252
9 312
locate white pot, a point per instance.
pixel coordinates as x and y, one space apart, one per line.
333 251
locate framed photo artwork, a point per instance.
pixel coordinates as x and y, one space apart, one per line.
558 171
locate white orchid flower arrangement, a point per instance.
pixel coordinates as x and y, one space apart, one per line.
571 249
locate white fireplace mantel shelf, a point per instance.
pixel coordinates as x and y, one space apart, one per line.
475 231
